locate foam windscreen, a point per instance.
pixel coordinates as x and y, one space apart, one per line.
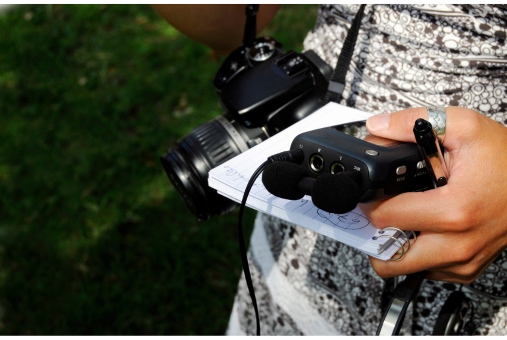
281 179
337 194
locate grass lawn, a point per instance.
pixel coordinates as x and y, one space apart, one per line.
93 237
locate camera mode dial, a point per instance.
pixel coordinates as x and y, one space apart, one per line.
245 58
263 49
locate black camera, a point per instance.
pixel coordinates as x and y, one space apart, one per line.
262 90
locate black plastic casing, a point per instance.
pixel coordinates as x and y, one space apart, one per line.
238 62
378 172
279 92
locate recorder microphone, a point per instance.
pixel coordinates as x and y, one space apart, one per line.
282 178
337 194
333 193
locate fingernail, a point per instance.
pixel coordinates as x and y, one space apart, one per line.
378 122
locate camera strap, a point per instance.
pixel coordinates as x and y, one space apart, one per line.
403 294
337 82
250 25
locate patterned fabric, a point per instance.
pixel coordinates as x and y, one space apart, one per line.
405 56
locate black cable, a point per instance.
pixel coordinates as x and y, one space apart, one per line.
295 156
246 269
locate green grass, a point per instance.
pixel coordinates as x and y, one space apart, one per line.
93 237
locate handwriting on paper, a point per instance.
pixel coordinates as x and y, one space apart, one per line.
348 221
230 172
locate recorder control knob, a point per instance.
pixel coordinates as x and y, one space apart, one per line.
401 170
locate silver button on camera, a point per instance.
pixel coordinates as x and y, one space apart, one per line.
371 152
421 164
401 170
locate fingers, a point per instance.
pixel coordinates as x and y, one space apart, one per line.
451 277
444 209
398 125
467 272
458 273
446 256
421 256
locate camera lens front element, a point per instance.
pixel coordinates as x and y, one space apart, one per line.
205 147
187 165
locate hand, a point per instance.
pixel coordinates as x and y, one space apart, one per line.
463 224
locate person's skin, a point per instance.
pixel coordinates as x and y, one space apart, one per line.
463 224
217 26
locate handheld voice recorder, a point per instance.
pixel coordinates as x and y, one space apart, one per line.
386 167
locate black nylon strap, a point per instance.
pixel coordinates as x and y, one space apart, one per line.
337 82
250 25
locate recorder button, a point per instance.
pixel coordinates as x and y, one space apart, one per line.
371 152
401 170
421 164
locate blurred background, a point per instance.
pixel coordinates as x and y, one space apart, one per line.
93 237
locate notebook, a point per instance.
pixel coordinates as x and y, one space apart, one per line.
353 228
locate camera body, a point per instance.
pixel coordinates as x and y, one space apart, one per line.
263 87
386 167
262 90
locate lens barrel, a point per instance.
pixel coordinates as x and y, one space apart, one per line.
207 146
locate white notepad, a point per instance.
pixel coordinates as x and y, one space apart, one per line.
353 228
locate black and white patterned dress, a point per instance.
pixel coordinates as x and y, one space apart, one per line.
405 56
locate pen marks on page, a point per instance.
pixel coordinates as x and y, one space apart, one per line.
348 221
303 202
233 172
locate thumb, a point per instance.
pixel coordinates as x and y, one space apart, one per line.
398 125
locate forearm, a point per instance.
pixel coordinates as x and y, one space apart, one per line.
217 26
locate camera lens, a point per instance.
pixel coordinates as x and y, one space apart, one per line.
187 164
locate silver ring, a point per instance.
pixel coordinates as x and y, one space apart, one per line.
437 118
404 234
401 246
403 251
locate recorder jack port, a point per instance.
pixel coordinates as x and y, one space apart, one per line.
316 163
336 168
